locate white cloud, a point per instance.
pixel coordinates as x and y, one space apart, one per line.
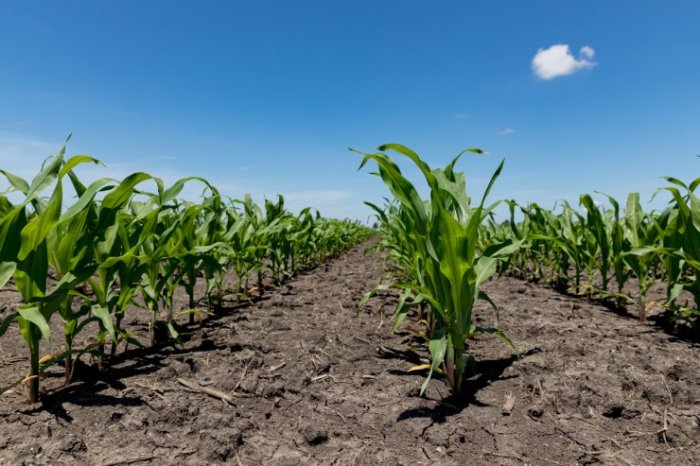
557 60
505 131
587 51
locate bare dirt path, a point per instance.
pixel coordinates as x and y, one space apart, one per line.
311 381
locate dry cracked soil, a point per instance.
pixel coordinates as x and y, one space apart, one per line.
312 381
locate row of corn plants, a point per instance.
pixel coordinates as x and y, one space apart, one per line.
608 251
121 244
440 250
437 259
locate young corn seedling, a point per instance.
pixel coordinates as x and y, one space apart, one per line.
643 235
618 246
194 247
597 227
684 231
449 268
25 254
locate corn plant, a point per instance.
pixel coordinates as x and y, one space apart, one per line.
71 254
449 270
196 247
25 238
642 233
682 241
599 235
618 247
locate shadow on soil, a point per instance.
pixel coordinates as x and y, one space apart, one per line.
83 393
666 321
89 381
680 331
486 372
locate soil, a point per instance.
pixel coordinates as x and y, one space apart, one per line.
312 381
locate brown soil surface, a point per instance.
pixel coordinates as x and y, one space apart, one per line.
313 382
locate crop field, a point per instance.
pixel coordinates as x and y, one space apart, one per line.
137 327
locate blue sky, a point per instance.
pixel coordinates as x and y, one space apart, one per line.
266 97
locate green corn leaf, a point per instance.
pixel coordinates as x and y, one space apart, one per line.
7 269
33 314
173 333
438 349
118 197
18 183
402 309
103 315
6 322
74 161
499 334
